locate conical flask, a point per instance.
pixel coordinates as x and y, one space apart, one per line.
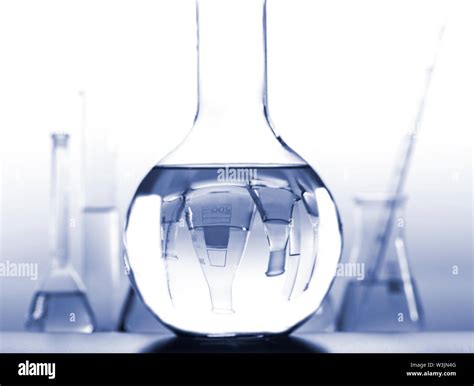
386 298
60 304
232 233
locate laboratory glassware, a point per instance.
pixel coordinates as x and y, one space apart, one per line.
60 304
397 182
325 316
232 233
324 319
104 273
375 242
389 300
136 317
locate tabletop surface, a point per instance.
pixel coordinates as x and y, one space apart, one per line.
338 342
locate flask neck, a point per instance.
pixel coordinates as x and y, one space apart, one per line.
232 112
231 61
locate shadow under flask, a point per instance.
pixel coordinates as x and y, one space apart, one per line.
232 233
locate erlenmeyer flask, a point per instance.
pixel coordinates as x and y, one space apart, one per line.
386 299
60 305
232 233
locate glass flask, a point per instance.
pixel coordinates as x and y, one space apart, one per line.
325 316
232 233
386 299
136 317
324 319
61 304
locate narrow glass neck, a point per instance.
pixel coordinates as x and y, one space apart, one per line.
231 59
60 201
232 110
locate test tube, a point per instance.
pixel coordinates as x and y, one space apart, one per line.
275 205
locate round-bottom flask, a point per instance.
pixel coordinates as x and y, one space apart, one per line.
232 233
219 258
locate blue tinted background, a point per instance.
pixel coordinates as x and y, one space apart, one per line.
344 81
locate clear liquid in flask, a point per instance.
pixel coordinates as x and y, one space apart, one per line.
386 299
381 307
219 251
60 312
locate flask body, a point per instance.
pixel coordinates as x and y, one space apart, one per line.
232 249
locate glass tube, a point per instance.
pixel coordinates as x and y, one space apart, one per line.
104 273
